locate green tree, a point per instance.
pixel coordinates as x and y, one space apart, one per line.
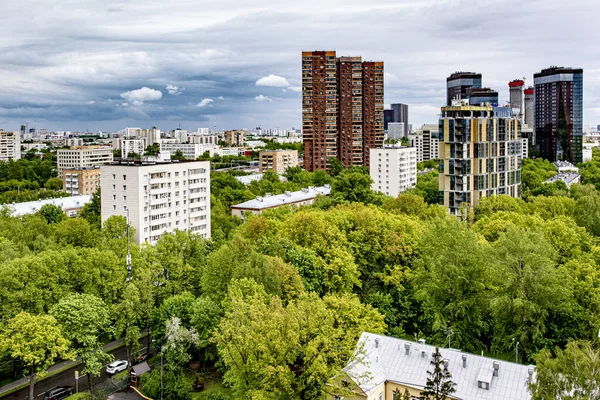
427 187
573 374
52 214
178 155
334 166
91 211
439 384
86 319
178 340
36 341
128 319
53 184
587 213
168 385
352 187
152 150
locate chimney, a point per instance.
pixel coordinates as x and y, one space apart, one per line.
407 348
496 367
464 358
376 343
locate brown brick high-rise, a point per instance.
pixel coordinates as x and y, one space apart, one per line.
342 109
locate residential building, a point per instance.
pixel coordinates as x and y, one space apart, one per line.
180 135
277 160
204 139
559 113
458 83
151 136
10 145
342 109
400 115
159 196
386 364
74 142
132 132
517 99
191 151
529 106
568 178
234 138
524 148
478 96
396 130
82 157
393 169
262 203
70 205
426 142
132 146
78 181
587 152
203 131
416 141
565 166
480 154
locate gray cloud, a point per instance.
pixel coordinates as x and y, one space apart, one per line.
78 52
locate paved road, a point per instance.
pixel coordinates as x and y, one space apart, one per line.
67 378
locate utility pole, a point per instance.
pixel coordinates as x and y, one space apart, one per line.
128 259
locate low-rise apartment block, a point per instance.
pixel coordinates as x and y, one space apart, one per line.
79 181
262 203
82 157
131 147
190 151
160 197
393 169
277 160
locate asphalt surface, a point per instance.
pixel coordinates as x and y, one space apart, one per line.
67 378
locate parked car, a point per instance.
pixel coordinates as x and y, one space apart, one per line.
117 366
143 357
59 392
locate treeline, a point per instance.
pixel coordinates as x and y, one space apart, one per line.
29 180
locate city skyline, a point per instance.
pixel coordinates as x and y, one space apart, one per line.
236 65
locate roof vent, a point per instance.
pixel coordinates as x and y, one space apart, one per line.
530 373
305 190
496 368
445 362
259 198
287 193
421 341
376 343
422 353
407 348
464 358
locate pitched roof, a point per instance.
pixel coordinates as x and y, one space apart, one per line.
261 203
141 368
385 359
66 203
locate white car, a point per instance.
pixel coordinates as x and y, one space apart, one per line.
116 366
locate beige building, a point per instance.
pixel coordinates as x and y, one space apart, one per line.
81 180
277 160
388 364
10 145
161 196
234 138
480 155
82 157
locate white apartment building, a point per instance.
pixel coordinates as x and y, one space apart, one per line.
74 142
82 157
129 146
416 142
203 131
151 136
160 196
396 130
191 151
393 169
132 132
180 135
204 139
524 148
10 145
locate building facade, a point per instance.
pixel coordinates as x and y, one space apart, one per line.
132 146
416 141
529 106
277 160
80 181
190 151
516 97
302 197
342 109
559 113
393 169
480 155
10 145
458 83
400 115
234 138
396 130
82 157
478 96
160 197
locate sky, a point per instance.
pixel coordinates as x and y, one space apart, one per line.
90 65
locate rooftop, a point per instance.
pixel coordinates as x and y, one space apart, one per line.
261 203
558 70
389 359
566 177
66 203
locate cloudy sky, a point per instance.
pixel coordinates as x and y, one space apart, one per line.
107 64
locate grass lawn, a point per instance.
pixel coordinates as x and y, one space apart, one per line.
212 385
78 396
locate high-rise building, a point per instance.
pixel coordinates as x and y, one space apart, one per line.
10 145
400 115
478 96
131 147
425 141
529 106
559 113
277 160
160 197
234 138
342 109
516 98
480 154
82 157
458 83
388 116
396 130
393 169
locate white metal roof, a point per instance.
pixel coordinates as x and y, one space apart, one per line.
66 203
385 359
566 177
265 202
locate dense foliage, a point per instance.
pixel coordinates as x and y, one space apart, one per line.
279 300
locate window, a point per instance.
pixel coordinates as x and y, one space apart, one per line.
124 187
124 177
114 176
114 207
124 198
114 197
114 187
